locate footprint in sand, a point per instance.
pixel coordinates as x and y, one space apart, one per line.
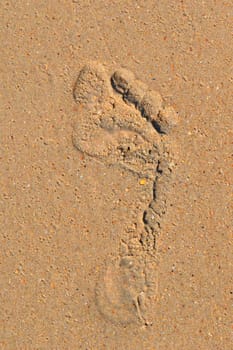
122 123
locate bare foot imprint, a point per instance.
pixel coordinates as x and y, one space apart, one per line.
121 123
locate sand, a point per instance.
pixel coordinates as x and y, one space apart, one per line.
116 175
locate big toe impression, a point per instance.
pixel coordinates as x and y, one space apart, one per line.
92 86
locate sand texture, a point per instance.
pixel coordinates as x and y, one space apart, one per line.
116 175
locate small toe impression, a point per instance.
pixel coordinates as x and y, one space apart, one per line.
92 86
151 105
136 93
122 80
166 120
